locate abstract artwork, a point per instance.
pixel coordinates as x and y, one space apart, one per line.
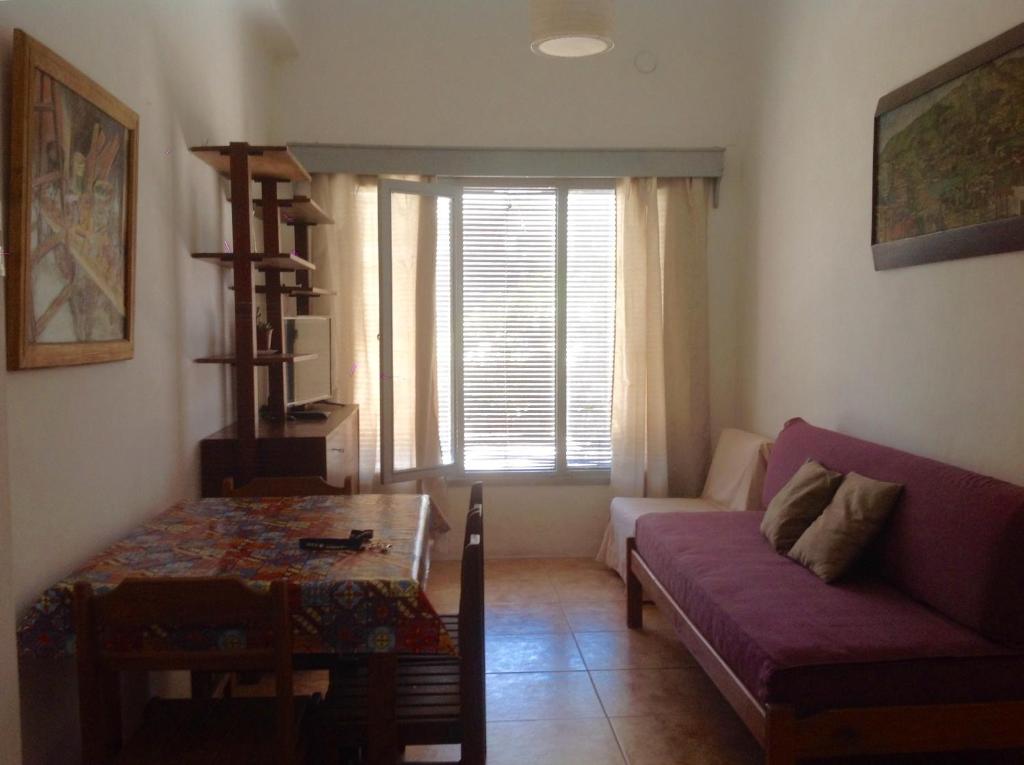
72 211
949 160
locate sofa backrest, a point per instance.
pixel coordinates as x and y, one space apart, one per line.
955 540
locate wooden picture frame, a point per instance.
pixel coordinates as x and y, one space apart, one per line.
946 184
71 215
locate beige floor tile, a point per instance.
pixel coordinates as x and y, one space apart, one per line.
541 696
660 740
677 692
533 653
445 600
507 589
574 586
632 649
572 564
443 574
525 618
551 742
528 568
609 616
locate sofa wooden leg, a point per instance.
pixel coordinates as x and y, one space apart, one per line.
634 591
780 741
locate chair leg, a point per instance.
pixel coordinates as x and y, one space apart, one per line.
780 743
634 591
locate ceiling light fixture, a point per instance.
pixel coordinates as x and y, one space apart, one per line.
571 28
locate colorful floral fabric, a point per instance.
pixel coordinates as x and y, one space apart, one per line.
341 602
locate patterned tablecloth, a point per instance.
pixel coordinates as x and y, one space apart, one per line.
341 602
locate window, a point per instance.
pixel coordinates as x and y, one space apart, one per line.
527 361
538 296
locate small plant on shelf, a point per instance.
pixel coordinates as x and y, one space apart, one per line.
264 332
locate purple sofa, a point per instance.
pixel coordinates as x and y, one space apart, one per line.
930 622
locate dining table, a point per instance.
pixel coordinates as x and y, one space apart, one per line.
370 602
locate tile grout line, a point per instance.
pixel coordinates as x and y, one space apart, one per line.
590 677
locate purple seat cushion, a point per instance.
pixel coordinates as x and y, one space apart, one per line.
955 538
791 638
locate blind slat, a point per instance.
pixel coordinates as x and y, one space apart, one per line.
509 284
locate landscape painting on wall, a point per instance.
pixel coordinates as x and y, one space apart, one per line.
72 215
949 160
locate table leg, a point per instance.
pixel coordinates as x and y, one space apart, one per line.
383 749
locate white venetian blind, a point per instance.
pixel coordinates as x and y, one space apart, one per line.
590 327
509 338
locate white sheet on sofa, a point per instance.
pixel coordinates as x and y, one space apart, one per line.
733 483
625 511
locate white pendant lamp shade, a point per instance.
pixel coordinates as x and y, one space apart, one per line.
571 28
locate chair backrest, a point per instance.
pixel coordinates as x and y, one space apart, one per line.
215 624
475 516
285 486
471 651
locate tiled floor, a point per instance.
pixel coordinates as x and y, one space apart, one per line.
568 684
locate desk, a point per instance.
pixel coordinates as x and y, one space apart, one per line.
341 603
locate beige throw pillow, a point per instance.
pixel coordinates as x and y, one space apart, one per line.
839 535
798 503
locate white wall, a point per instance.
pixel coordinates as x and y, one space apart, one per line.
96 449
928 358
461 73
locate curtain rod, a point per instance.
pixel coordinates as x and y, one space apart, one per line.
565 163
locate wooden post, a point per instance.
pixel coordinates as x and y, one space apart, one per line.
780 741
245 320
302 277
634 590
274 301
383 728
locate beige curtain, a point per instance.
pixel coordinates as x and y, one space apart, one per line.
346 257
661 401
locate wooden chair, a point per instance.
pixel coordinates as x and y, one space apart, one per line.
166 624
439 699
475 515
286 486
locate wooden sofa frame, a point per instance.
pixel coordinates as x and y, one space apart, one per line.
788 736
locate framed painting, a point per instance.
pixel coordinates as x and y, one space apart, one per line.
70 215
949 160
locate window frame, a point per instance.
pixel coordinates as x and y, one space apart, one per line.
440 188
562 474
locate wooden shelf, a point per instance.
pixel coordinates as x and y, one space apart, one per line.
296 210
261 360
275 163
282 262
290 289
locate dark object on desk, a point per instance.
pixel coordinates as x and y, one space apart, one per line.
436 699
257 730
355 541
316 415
325 448
300 486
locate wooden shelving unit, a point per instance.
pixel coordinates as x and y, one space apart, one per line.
283 262
266 163
261 360
296 210
242 163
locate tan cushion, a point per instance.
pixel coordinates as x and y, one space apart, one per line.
854 516
798 503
